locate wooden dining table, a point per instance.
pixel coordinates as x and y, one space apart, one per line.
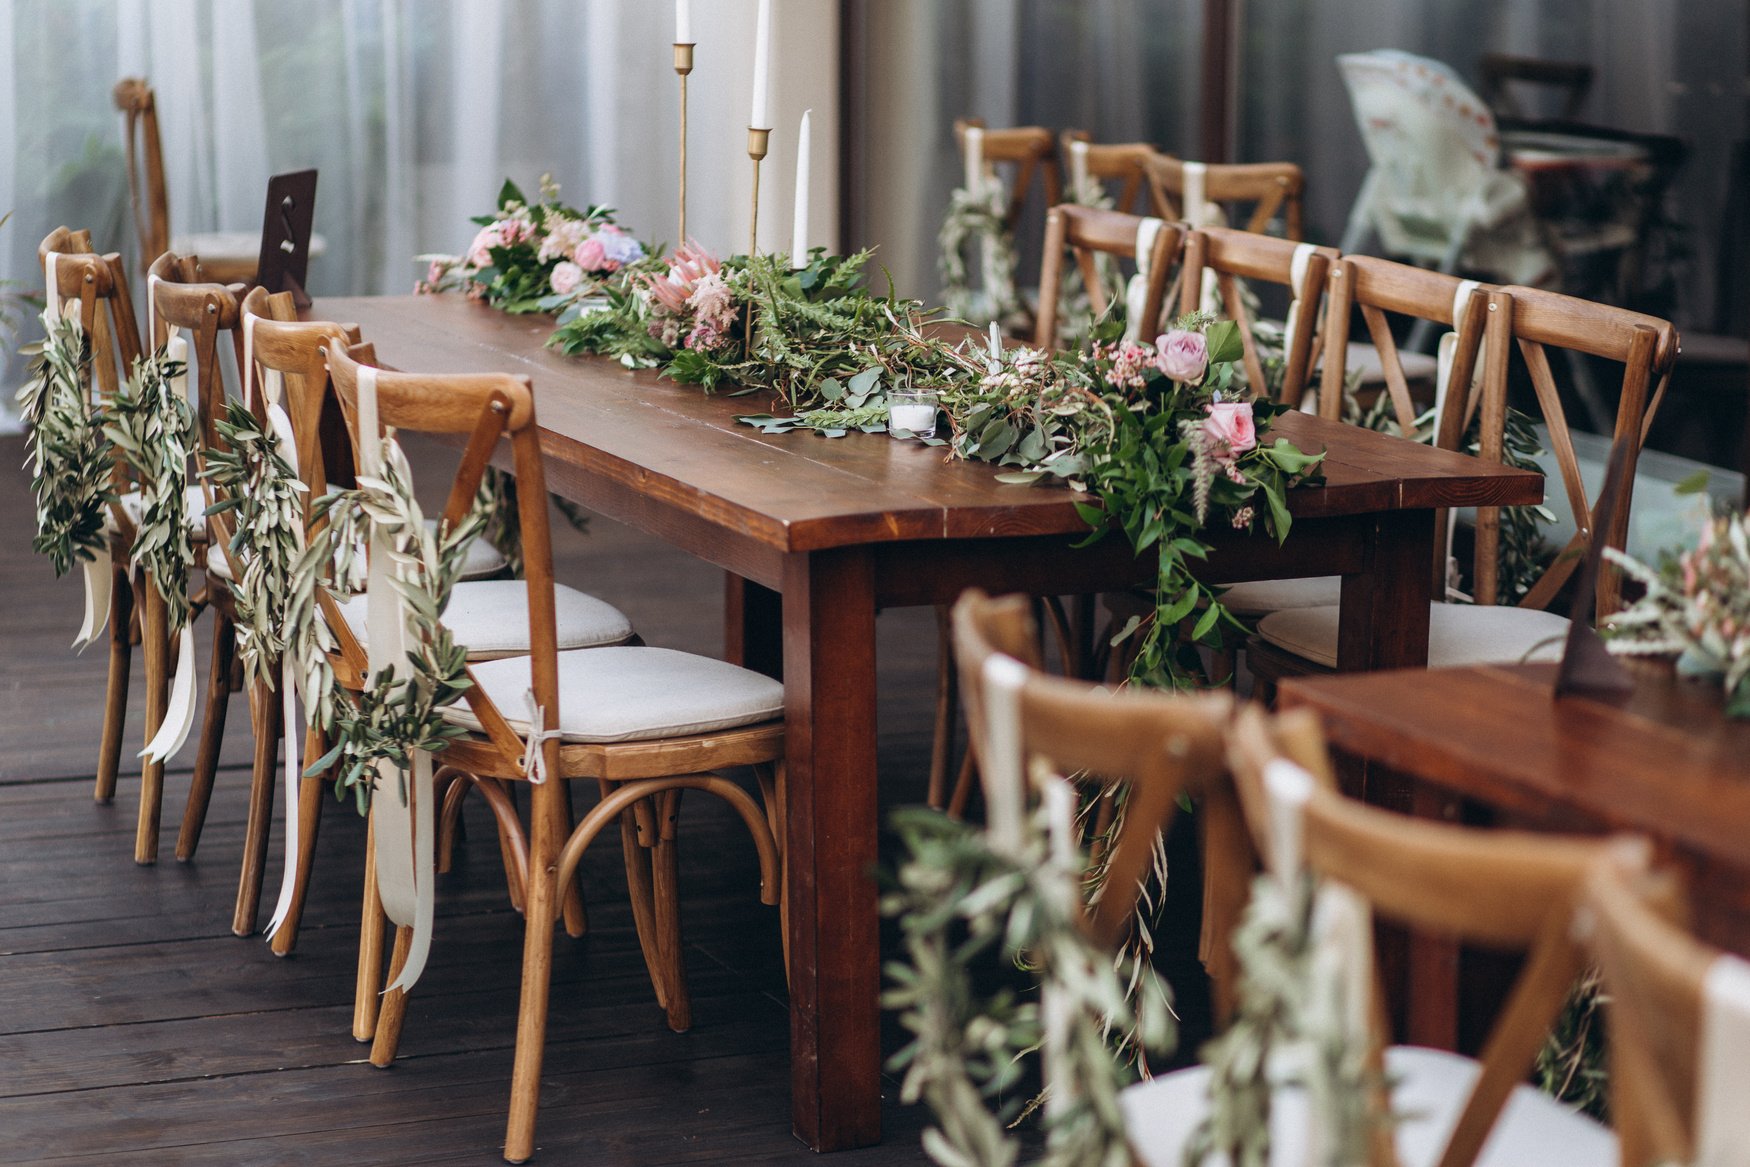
817 535
1660 759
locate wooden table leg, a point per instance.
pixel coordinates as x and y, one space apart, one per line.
753 626
835 951
1384 625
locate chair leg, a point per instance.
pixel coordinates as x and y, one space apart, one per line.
572 912
531 1029
947 712
265 714
206 763
665 873
155 638
641 894
773 793
393 1010
368 982
115 702
312 793
963 787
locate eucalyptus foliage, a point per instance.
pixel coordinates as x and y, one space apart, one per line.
151 425
69 456
962 906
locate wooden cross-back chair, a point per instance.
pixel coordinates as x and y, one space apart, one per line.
1261 192
1678 1011
1503 890
1497 628
1086 232
227 257
1233 256
644 723
1144 750
1030 150
1501 72
97 285
1104 163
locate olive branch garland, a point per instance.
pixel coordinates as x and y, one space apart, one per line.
151 425
960 905
69 457
394 715
1287 1030
266 497
976 214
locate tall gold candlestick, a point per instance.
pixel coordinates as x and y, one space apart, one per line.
758 142
683 64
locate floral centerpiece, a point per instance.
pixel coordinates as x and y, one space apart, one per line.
1696 607
536 257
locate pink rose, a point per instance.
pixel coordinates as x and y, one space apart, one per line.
1229 429
566 278
591 255
480 251
1182 355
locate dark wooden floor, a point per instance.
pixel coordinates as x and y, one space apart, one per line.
134 1028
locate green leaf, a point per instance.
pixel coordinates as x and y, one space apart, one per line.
1694 484
510 193
1224 342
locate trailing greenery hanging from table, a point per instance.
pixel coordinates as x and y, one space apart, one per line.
978 215
150 424
962 905
69 457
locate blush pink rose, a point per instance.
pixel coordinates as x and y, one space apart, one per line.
1229 429
566 278
480 251
1182 355
591 255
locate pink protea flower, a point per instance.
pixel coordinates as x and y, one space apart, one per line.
686 267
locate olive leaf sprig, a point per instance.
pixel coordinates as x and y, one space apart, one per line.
151 425
69 457
961 906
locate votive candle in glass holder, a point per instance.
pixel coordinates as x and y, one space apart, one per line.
911 413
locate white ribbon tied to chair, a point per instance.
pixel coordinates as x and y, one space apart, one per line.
1136 291
1722 1134
1004 776
404 829
1199 212
280 423
178 720
534 757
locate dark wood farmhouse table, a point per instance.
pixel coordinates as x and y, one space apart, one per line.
1662 761
819 534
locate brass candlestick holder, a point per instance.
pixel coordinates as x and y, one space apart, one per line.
758 142
683 64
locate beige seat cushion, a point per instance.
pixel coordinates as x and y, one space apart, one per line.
1430 1089
1458 634
1257 597
632 694
490 618
130 503
1364 358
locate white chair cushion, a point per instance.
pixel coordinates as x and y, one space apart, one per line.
480 560
1364 358
1458 634
632 694
130 503
490 618
1533 1130
1256 597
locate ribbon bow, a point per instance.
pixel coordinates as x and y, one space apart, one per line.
534 768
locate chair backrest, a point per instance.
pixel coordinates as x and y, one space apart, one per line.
1674 1008
1231 256
1085 231
179 298
1029 149
1182 189
1431 144
296 351
1159 745
1646 348
98 286
1502 71
1090 163
146 192
489 408
1502 889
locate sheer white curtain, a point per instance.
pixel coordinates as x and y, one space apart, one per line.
413 110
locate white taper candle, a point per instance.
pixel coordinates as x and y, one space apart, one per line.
683 22
995 362
799 230
759 119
